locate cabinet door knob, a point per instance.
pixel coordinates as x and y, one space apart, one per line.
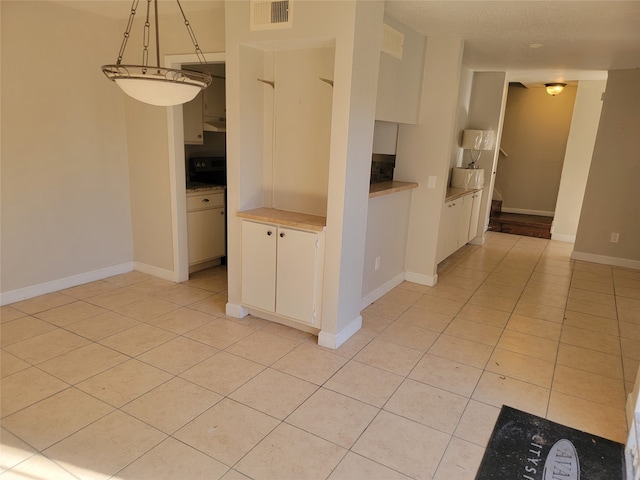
281 234
269 232
222 212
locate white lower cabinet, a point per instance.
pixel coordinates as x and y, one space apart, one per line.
475 215
451 216
282 271
206 227
458 223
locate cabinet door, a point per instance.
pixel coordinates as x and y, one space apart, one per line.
296 274
206 234
475 215
452 222
465 219
214 98
192 119
259 265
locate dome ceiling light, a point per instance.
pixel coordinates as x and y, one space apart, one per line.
156 85
554 89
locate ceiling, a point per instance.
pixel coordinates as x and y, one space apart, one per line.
551 40
535 41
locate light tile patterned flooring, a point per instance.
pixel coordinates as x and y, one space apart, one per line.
138 378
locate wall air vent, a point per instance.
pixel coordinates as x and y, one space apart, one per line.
270 14
393 42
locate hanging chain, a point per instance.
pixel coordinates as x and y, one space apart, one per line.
134 7
147 34
145 37
192 34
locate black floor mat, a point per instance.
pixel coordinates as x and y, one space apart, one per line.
527 447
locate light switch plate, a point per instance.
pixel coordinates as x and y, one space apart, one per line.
431 182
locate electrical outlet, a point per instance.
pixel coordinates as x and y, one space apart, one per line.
377 264
615 237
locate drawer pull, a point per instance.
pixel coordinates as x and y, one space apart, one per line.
205 200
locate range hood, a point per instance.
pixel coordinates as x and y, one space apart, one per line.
215 126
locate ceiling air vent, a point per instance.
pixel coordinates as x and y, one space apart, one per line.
393 42
270 14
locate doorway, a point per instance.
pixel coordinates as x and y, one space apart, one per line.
533 146
175 125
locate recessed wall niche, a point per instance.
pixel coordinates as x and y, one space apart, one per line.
293 93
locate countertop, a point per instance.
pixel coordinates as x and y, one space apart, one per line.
284 217
204 188
453 193
386 188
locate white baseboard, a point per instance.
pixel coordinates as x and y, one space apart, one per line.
478 240
236 311
563 238
428 280
381 290
62 283
334 340
525 211
155 271
614 261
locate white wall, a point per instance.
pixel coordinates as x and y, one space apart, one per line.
464 97
302 129
65 185
486 112
356 29
425 149
577 159
612 197
387 227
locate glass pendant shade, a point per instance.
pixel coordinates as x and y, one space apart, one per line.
157 86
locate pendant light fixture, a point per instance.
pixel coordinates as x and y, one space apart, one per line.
554 89
156 85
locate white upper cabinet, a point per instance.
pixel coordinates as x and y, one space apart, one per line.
400 75
214 99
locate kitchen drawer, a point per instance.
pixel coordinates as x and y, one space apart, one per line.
204 201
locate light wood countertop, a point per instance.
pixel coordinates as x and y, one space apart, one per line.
453 193
386 188
286 218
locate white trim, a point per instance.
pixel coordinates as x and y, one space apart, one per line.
478 239
334 340
525 211
381 290
177 186
614 261
154 271
429 280
563 238
62 283
236 311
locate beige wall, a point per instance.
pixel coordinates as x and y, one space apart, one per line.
612 196
536 127
575 168
65 185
